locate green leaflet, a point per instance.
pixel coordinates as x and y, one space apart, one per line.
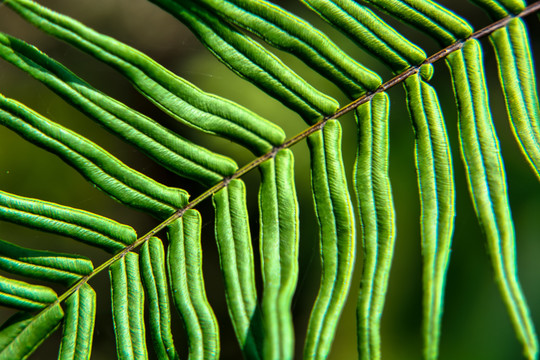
427 16
127 298
24 332
152 263
370 32
43 265
278 218
292 34
77 224
79 325
93 162
236 259
516 73
498 9
376 209
174 95
337 238
487 183
250 60
166 147
187 285
437 200
24 296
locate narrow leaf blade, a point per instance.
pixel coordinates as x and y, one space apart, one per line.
187 285
24 296
376 209
166 147
128 308
487 184
171 93
152 259
93 162
77 224
437 202
428 16
251 61
23 333
43 265
337 238
278 213
288 32
236 260
516 74
79 325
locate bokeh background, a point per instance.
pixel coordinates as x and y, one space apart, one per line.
475 324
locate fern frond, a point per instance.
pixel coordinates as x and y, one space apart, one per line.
237 32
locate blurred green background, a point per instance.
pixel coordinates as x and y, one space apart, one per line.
475 324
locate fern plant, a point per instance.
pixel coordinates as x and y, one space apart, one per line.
53 290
